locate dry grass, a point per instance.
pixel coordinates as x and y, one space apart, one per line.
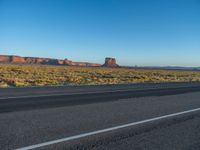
35 75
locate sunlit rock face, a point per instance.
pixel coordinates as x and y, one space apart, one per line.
45 61
110 62
4 59
17 59
11 59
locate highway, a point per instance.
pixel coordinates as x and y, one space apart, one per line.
133 116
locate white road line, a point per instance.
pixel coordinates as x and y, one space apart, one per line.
105 130
98 92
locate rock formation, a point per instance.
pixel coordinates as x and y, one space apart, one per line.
17 59
45 61
110 62
4 58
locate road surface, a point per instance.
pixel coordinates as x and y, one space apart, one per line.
145 116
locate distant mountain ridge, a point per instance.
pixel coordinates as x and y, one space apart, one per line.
164 68
109 62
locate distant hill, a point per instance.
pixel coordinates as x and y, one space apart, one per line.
109 62
164 68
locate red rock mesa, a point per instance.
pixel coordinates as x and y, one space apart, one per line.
109 62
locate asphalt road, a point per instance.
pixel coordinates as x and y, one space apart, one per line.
33 119
63 90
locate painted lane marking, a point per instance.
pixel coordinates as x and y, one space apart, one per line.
106 130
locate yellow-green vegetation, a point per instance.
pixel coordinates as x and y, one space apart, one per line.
39 75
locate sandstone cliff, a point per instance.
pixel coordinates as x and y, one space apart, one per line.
110 62
45 61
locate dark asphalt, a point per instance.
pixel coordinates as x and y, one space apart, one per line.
101 94
24 127
49 90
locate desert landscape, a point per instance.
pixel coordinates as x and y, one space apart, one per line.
99 75
16 71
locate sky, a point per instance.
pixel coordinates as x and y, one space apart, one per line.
135 32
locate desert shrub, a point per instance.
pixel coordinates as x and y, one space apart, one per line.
40 75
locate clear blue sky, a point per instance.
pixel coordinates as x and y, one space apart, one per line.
136 32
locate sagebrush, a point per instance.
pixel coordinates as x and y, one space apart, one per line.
41 75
